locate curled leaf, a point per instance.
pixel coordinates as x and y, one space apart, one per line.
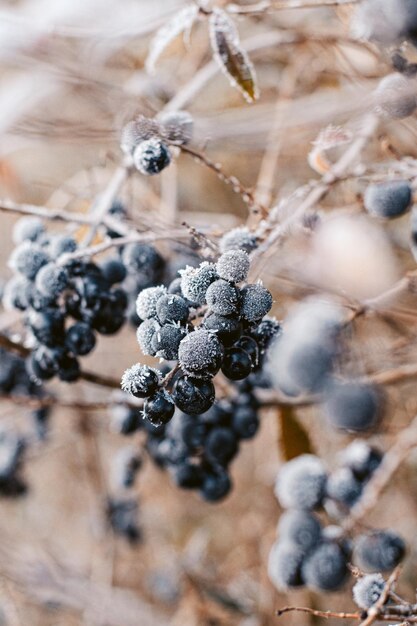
232 59
180 23
294 439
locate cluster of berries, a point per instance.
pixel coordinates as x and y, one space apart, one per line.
51 288
147 141
306 553
230 337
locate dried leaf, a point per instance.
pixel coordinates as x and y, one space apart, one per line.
180 23
232 59
294 440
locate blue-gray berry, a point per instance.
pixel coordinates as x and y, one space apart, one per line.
353 406
196 280
367 590
326 567
379 551
151 156
255 302
172 308
51 280
284 565
200 354
140 380
233 266
166 341
28 228
343 486
301 528
301 483
18 293
388 199
222 297
61 244
239 238
27 259
145 334
147 300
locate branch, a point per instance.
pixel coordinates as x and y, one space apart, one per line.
270 5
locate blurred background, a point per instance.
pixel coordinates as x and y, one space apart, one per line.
71 75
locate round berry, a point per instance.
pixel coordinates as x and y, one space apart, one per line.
193 396
172 308
51 280
147 300
326 567
301 483
268 329
166 341
284 565
151 156
388 199
343 487
27 259
395 96
239 238
233 266
144 260
159 408
362 459
256 301
69 368
353 406
222 297
301 528
220 446
245 422
17 293
188 475
61 244
227 329
43 363
114 271
145 334
216 486
196 280
47 326
200 354
80 339
379 551
237 364
250 346
28 228
367 590
140 380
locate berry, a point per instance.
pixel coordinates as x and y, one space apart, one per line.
188 475
265 331
379 551
177 126
172 308
388 199
159 408
245 422
61 244
362 459
200 354
386 21
145 334
367 590
237 364
222 297
140 381
353 406
43 363
28 228
284 565
143 260
220 446
239 238
250 346
166 341
80 339
196 280
122 515
326 567
395 97
69 368
47 326
256 301
227 329
193 396
343 487
17 293
113 271
151 156
27 259
216 486
126 465
300 528
51 280
125 420
233 266
147 300
301 483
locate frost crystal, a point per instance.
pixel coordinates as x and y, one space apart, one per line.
138 378
233 266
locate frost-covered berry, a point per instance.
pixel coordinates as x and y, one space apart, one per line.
151 156
172 308
136 131
145 334
27 259
362 459
196 280
301 528
177 126
379 551
28 228
227 329
166 341
255 302
284 565
326 568
222 297
343 487
61 244
239 238
301 483
142 258
200 354
140 380
396 96
265 331
388 22
233 266
367 590
388 199
17 293
353 406
51 280
147 300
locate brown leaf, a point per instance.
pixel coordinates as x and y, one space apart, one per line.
293 439
232 59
